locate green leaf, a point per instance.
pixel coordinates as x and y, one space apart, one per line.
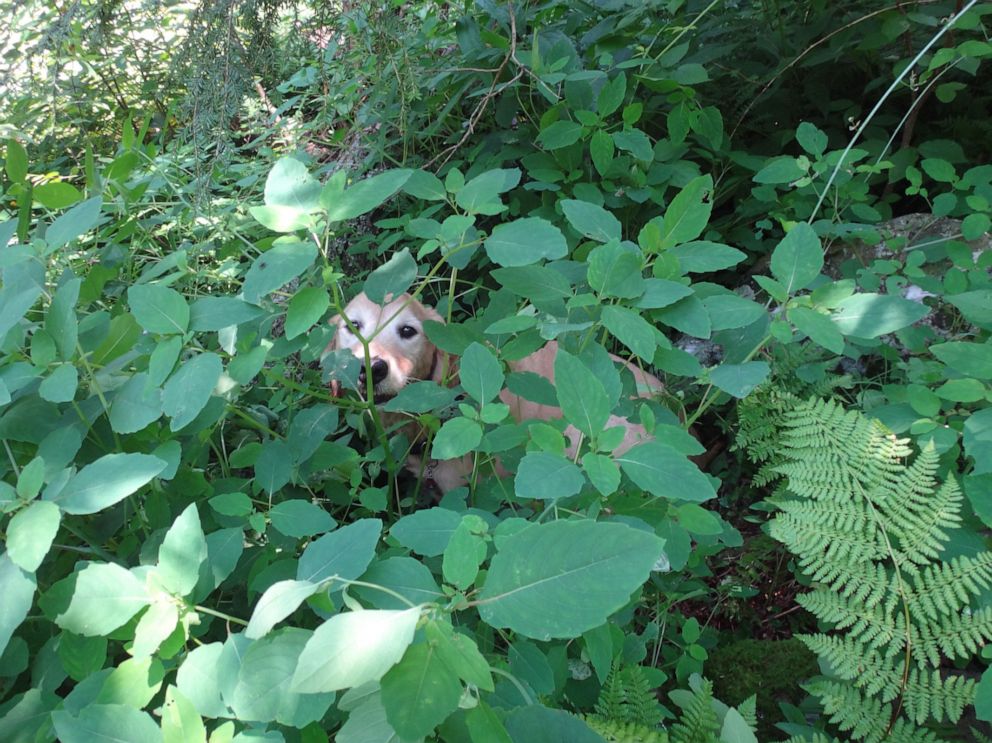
281 218
420 397
217 313
289 184
688 213
344 553
729 311
872 315
22 285
456 438
811 139
154 628
559 134
739 380
581 395
17 588
305 308
688 315
406 576
424 185
602 472
459 653
819 327
536 283
158 309
365 195
135 405
464 553
547 476
615 270
392 278
631 329
591 220
134 683
279 601
106 596
587 571
940 170
56 195
30 534
972 359
121 337
599 649
60 320
353 648
735 729
779 170
480 195
798 258
273 467
106 723
697 520
427 531
74 223
300 518
975 226
701 256
660 293
976 306
480 373
636 143
187 391
528 663
665 472
180 721
962 390
538 724
60 385
983 697
274 268
601 150
15 161
419 692
183 551
199 678
108 480
525 241
611 95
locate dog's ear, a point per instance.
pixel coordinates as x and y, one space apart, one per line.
442 363
332 346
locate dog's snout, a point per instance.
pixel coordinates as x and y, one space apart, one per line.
379 371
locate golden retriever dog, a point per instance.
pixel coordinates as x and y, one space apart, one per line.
400 353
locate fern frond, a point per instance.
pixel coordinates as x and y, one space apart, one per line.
921 522
871 672
928 696
873 627
749 711
945 588
698 723
852 712
957 636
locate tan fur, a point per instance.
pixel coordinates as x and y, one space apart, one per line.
416 358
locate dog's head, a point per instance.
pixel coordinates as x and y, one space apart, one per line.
399 350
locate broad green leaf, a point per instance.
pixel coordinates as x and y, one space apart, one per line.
154 627
728 311
281 218
973 359
962 390
109 479
22 285
697 520
60 385
701 256
602 472
599 649
83 656
245 366
779 170
353 648
977 440
56 194
406 576
739 380
459 653
344 553
279 601
665 472
976 306
420 397
300 518
525 241
106 723
60 320
636 143
587 571
480 373
735 728
547 476
163 360
591 220
615 270
975 226
601 150
134 683
536 283
305 308
15 161
464 553
424 185
74 223
798 258
264 690
559 134
819 327
158 309
660 293
427 531
30 534
811 139
419 692
366 195
217 313
688 213
456 438
480 195
199 678
124 332
485 725
31 478
631 329
688 315
106 596
183 551
391 279
611 95
275 267
274 466
872 315
135 405
289 184
180 721
529 663
939 169
188 390
17 588
581 395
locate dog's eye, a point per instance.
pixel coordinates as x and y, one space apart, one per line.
357 324
407 331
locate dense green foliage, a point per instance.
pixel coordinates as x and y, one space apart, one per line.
756 203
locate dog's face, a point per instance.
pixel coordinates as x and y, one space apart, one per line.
399 351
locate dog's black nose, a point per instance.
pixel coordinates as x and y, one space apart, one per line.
379 371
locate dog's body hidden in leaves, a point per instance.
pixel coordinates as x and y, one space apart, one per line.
401 353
